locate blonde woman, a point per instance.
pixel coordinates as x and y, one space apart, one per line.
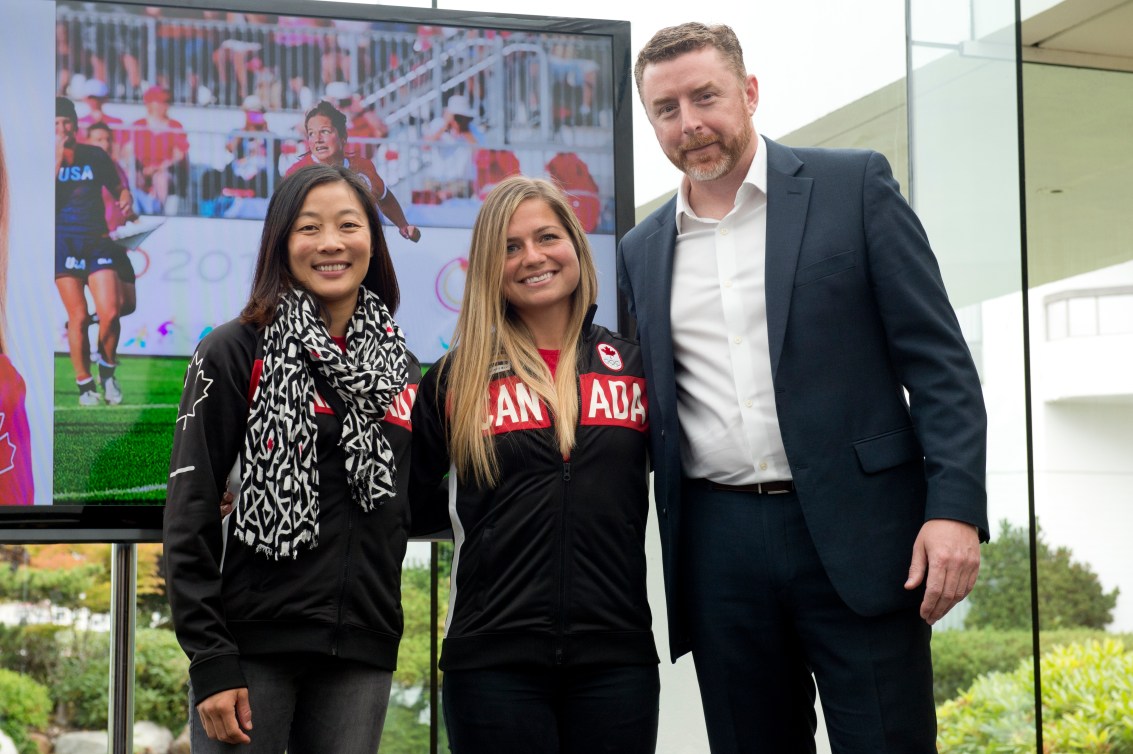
542 416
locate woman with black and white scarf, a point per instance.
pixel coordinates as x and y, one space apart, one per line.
289 608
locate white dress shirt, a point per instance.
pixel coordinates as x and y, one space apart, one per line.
725 398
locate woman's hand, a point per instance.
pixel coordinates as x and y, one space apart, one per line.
227 502
226 715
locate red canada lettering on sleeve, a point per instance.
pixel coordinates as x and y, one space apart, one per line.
400 411
614 401
513 406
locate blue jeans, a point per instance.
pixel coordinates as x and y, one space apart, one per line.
306 704
587 710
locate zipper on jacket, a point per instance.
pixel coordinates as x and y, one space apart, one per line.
562 617
561 628
345 579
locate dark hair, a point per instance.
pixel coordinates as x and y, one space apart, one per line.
327 110
65 108
273 277
99 126
674 41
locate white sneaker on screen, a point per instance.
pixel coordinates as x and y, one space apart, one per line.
112 391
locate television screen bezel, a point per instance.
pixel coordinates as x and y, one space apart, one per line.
114 521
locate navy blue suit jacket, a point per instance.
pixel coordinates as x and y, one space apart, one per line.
857 315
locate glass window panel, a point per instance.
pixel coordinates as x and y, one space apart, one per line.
1115 314
1082 316
1079 151
1056 320
964 157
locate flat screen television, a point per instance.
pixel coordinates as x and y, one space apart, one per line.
200 105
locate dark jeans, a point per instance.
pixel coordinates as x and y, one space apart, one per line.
585 710
764 617
306 704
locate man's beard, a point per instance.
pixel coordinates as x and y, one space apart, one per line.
730 154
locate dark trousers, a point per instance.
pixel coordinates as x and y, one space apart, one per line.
585 710
306 704
766 624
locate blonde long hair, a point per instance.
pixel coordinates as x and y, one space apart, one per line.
489 330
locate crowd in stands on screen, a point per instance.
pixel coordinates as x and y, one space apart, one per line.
94 51
182 50
211 57
251 153
159 149
453 140
208 58
574 79
95 93
238 61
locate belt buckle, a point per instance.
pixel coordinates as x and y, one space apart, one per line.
772 492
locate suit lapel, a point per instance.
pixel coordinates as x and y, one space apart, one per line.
662 246
660 250
788 198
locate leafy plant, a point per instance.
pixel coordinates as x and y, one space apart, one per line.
1087 705
161 674
959 657
31 650
24 706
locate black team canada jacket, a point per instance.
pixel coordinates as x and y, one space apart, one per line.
341 598
549 566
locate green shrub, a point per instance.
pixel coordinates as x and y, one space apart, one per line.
161 672
24 706
959 657
31 650
161 692
1087 705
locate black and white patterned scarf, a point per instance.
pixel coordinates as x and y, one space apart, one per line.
279 507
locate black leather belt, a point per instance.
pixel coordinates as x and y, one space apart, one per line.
759 488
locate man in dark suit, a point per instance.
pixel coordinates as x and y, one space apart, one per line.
817 424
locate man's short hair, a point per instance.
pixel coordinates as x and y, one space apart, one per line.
674 41
65 108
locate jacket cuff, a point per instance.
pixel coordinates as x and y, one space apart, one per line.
216 674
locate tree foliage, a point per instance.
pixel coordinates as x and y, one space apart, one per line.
1070 593
78 576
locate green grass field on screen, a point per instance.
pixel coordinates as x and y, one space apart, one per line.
117 453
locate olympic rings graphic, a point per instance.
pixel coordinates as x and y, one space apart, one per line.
450 283
139 258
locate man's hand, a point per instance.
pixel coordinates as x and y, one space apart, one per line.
950 553
410 232
226 715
